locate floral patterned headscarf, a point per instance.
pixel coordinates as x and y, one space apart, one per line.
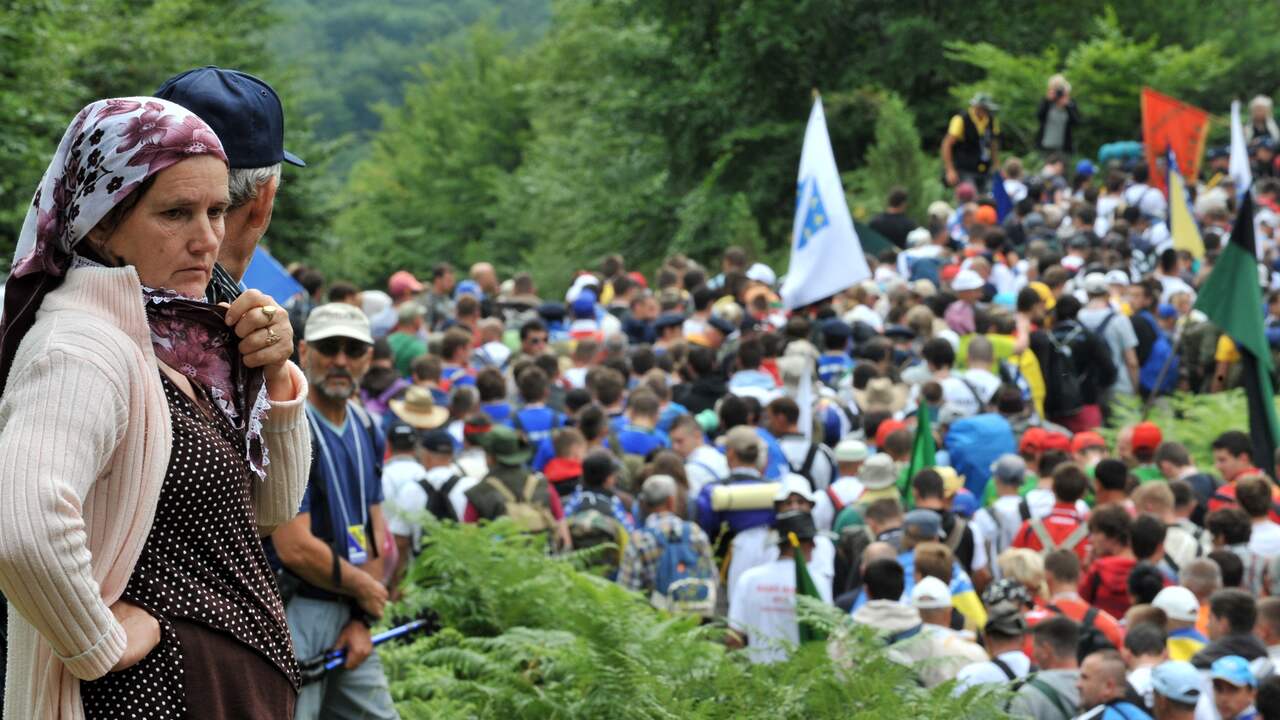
111 148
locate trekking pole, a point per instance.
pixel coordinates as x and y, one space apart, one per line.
314 669
1164 370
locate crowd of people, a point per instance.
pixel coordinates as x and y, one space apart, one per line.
705 439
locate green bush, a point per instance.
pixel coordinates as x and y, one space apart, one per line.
529 636
1191 419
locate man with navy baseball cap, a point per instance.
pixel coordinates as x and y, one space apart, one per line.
248 118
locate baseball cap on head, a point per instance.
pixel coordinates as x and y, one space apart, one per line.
243 111
1146 436
794 484
930 594
1178 603
1233 669
337 320
1177 680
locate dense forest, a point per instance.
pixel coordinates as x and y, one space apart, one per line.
542 134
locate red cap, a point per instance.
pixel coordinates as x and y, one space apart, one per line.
1086 440
1146 436
1057 441
403 283
887 428
1032 440
638 277
949 272
985 214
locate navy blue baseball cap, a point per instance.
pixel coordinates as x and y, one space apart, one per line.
244 112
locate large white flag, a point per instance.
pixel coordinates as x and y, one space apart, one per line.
826 255
1239 169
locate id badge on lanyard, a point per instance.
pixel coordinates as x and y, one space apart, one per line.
357 545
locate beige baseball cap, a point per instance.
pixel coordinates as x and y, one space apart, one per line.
337 320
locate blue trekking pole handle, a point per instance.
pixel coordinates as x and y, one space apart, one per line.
335 658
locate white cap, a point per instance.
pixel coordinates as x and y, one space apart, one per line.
794 484
1095 283
919 236
967 280
1178 603
930 594
762 273
850 450
337 320
1117 277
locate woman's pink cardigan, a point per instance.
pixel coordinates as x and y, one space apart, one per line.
84 446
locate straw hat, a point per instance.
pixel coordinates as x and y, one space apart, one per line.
419 409
882 394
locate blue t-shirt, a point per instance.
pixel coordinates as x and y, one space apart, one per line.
345 451
670 414
538 423
777 464
833 366
635 440
499 412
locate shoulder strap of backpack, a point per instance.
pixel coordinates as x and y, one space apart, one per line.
836 502
977 397
1024 509
507 496
516 423
1090 616
1102 326
807 466
1047 690
910 632
1042 532
1004 668
530 487
1071 541
956 536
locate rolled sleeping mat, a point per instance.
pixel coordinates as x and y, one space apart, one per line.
743 496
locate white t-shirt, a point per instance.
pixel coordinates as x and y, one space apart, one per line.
763 606
751 548
1140 680
998 524
1265 540
956 393
704 465
848 489
822 563
1172 284
1040 502
864 314
984 381
823 468
576 377
988 673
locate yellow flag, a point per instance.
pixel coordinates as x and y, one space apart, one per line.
1182 226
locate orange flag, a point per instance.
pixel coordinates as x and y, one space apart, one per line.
1168 123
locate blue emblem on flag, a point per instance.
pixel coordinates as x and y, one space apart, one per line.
815 215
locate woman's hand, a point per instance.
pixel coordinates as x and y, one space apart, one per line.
266 339
142 633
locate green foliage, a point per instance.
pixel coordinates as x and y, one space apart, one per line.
895 159
529 636
1107 72
431 186
1195 420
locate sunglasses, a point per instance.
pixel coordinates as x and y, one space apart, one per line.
536 340
331 346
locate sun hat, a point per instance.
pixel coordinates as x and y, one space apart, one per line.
419 409
878 472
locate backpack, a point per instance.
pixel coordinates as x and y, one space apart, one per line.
1047 545
590 527
1091 638
1062 386
853 540
438 503
1161 353
529 516
682 581
975 444
806 468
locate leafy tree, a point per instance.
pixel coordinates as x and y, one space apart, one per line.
895 160
429 190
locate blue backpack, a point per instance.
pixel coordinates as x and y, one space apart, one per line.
1161 350
975 443
682 581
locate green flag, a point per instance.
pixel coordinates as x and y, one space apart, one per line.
923 453
805 586
1232 298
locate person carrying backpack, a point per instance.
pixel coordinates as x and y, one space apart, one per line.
669 559
1080 359
1118 332
807 458
1063 528
513 490
1099 630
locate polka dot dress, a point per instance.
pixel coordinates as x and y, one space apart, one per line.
203 562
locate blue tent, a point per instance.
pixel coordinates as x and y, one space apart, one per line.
266 274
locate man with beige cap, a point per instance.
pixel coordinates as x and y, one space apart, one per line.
847 488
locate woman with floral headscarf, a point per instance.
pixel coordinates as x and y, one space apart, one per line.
147 438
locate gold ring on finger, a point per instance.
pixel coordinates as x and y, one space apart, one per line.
269 311
272 337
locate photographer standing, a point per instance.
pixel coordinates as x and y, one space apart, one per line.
1058 115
